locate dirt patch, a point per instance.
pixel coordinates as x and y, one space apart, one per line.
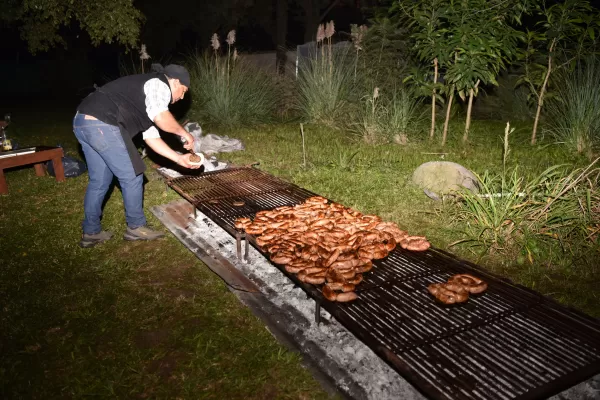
180 293
151 339
165 366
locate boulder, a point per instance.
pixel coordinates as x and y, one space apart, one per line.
438 178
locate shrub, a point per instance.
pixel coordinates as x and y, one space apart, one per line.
573 114
389 116
325 83
512 213
230 92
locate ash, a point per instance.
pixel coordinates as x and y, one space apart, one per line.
354 367
356 370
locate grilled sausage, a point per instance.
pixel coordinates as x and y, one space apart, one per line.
471 283
345 297
329 293
444 294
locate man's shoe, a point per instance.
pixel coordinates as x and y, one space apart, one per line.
92 240
142 233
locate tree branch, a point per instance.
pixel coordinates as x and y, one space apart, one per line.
329 8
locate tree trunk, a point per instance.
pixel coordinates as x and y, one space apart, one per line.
435 65
311 19
469 108
445 134
281 54
541 96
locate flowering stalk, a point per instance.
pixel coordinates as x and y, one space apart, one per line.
230 41
143 56
329 31
214 42
357 36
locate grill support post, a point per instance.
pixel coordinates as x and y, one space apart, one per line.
238 245
318 312
246 248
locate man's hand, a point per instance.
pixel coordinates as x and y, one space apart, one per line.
168 123
159 146
189 141
184 161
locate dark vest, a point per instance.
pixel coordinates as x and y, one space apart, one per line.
122 103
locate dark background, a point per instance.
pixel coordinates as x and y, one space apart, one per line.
172 30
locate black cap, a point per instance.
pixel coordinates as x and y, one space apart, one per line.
178 72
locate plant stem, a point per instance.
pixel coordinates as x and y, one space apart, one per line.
435 77
542 92
228 56
445 133
469 109
303 147
355 65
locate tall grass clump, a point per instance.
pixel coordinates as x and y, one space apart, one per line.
389 117
574 114
403 111
325 81
552 215
228 91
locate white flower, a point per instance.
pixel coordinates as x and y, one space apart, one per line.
143 54
358 33
330 30
320 33
231 37
214 42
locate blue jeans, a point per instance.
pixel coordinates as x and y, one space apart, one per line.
106 157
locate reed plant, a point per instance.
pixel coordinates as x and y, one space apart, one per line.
573 113
388 117
325 81
227 91
402 113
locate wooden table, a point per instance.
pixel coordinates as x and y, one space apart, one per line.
37 158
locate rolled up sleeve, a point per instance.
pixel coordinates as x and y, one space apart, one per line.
158 97
151 133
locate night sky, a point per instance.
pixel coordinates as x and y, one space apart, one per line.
172 29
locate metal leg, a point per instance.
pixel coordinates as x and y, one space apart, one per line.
246 248
195 212
317 312
238 244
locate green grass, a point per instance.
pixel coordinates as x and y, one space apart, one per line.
377 179
149 320
125 319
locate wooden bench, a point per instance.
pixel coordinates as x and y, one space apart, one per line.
37 158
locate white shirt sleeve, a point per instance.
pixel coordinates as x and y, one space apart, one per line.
151 133
158 97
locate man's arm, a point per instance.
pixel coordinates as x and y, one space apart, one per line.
160 147
165 121
158 96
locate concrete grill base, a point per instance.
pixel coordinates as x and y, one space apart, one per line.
338 360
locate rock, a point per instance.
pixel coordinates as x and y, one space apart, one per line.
438 178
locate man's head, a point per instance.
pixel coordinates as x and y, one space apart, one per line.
179 80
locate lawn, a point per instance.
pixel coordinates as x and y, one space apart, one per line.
126 319
130 319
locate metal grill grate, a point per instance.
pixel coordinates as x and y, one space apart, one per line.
508 343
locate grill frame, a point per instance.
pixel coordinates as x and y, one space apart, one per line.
502 301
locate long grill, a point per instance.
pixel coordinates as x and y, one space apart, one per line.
509 343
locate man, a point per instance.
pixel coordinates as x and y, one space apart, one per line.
105 123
